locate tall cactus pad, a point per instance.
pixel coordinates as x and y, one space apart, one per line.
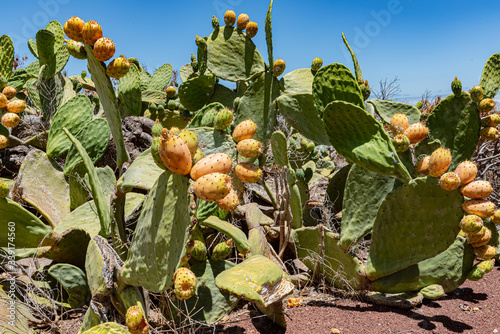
490 79
72 115
339 268
42 185
298 81
213 141
386 109
269 33
359 138
257 104
335 82
415 222
230 231
449 269
279 148
141 174
357 68
364 192
6 56
129 91
232 56
195 92
74 282
300 112
160 235
336 187
456 123
161 77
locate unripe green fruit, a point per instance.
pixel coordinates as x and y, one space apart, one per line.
215 22
223 119
155 148
222 250
118 67
199 251
479 270
456 87
476 94
471 224
401 143
486 105
491 120
76 49
316 64
489 133
419 105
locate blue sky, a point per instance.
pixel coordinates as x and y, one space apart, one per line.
424 43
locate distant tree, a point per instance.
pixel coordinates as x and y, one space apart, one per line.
388 89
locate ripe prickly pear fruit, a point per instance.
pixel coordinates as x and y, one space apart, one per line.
479 270
173 130
73 28
422 166
230 202
199 251
449 181
10 120
248 172
229 18
223 119
222 250
212 187
489 133
198 155
118 67
496 217
416 133
279 67
471 224
104 49
213 163
249 148
477 189
3 101
491 120
252 29
136 320
9 92
480 238
4 189
171 91
439 162
476 94
215 22
4 141
486 105
191 140
244 130
184 283
16 106
76 49
316 64
155 152
479 207
456 87
399 123
91 32
467 170
242 21
401 143
175 153
485 252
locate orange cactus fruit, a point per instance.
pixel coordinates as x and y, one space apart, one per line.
416 133
213 163
439 162
467 170
477 189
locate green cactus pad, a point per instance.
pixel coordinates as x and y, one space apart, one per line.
98 273
83 217
209 304
46 43
155 96
335 82
108 328
212 141
186 72
29 230
427 146
340 269
456 123
361 139
230 231
73 281
433 291
90 319
269 33
280 148
19 78
422 216
357 68
94 136
223 95
43 186
256 279
19 310
205 209
141 174
6 56
296 206
68 247
129 92
33 48
195 92
494 232
96 187
300 112
403 300
257 104
448 269
232 56
206 115
109 103
145 78
161 77
72 115
490 79
386 109
298 81
364 193
255 217
160 235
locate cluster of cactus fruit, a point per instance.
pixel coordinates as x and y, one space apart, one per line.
412 190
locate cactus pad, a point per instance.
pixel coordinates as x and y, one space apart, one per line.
279 148
490 79
73 281
298 81
357 68
230 231
423 217
6 56
161 77
129 91
141 174
361 139
195 92
386 109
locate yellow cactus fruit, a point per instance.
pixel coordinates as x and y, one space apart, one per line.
3 101
422 166
213 163
496 217
249 148
449 181
479 207
184 283
73 28
248 172
399 124
485 252
439 162
416 133
252 29
230 202
477 189
4 141
104 49
10 120
91 32
16 106
212 187
175 154
244 130
229 18
136 321
9 92
467 170
242 21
